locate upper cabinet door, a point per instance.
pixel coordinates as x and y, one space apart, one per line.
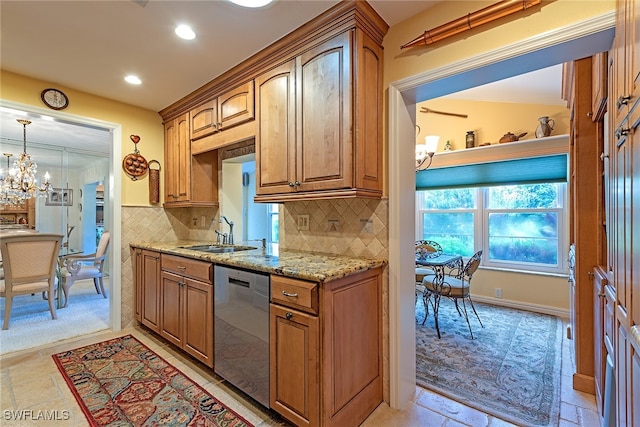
324 97
275 131
228 109
178 154
236 106
204 119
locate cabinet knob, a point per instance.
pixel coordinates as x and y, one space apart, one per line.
288 315
291 184
603 156
623 100
297 183
621 132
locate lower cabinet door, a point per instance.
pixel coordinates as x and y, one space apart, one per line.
171 304
295 354
198 320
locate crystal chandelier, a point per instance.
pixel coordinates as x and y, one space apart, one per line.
19 183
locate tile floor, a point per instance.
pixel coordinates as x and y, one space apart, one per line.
29 380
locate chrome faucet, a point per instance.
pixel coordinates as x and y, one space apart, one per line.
222 238
230 224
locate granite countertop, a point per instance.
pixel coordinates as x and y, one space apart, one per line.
297 264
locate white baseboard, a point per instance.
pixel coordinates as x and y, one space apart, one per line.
553 311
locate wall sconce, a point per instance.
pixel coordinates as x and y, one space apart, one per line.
426 151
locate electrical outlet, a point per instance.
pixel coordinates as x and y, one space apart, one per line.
333 225
498 292
303 222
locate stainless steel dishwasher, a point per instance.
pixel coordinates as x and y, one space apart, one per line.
241 330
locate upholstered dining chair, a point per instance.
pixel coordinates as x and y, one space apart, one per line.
425 249
91 266
456 286
29 263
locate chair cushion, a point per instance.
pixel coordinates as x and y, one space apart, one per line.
421 273
26 288
456 288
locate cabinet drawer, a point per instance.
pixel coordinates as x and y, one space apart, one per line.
200 270
295 293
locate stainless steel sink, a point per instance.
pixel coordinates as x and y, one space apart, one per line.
217 249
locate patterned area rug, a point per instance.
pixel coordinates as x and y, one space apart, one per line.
511 369
122 382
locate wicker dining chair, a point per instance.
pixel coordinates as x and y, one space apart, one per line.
29 263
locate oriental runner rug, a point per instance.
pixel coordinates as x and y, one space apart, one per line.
121 382
511 370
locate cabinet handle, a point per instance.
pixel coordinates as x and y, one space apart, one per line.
287 294
288 315
621 132
623 100
182 267
602 295
181 283
603 156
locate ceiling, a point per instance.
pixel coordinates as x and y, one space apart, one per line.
91 45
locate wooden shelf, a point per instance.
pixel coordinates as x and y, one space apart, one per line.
508 151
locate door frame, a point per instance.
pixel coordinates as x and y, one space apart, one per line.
569 43
114 210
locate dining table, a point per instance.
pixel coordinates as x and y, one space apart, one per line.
439 263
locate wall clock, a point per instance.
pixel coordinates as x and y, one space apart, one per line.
54 99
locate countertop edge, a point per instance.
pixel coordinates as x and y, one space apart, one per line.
316 267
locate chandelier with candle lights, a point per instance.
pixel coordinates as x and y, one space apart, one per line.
18 184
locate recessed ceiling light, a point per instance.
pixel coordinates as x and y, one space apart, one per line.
185 32
134 80
251 3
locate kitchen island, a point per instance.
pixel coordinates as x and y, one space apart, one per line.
325 321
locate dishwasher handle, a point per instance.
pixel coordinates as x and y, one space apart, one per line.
243 283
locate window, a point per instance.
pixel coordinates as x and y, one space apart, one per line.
519 227
274 222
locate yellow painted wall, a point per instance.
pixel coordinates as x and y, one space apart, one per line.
403 63
134 120
489 120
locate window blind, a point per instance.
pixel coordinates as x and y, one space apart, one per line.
552 168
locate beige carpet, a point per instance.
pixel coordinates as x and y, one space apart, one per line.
31 324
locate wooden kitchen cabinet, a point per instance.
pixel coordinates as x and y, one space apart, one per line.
177 152
310 355
295 365
190 180
226 110
187 306
626 52
317 128
147 288
599 86
318 133
600 351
